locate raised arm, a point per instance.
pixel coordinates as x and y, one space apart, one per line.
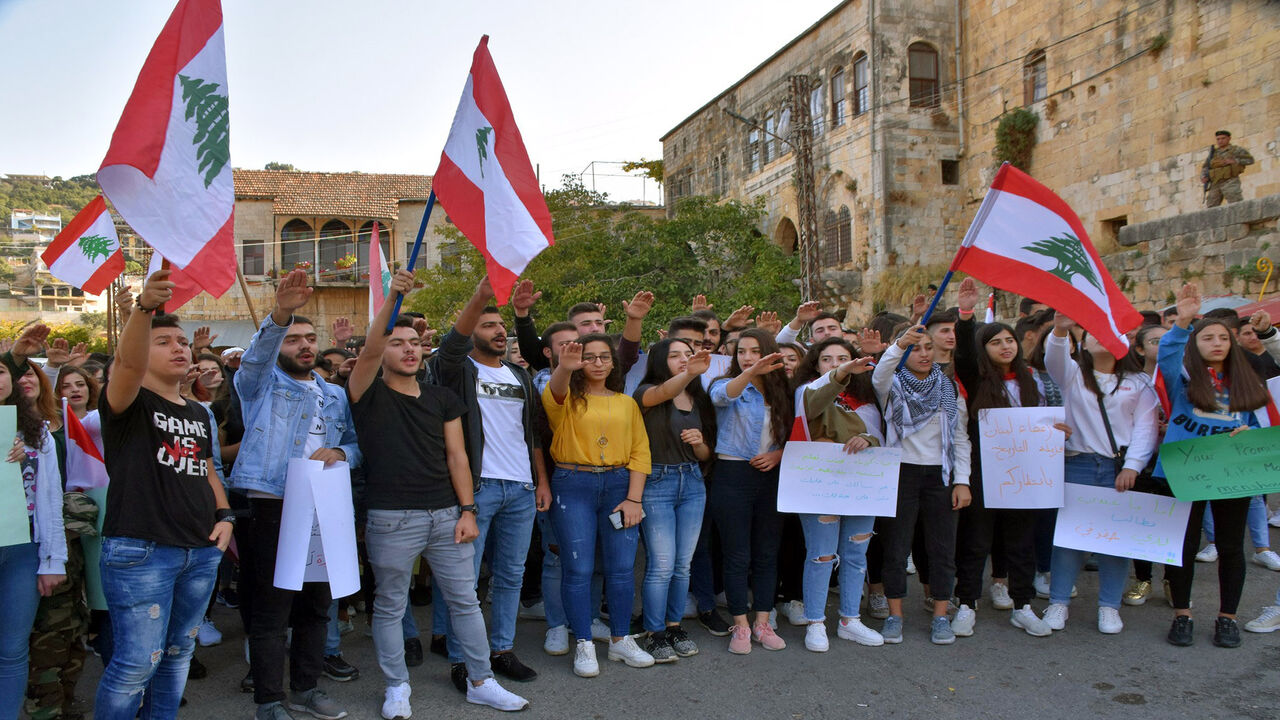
699 362
522 299
133 349
570 360
375 342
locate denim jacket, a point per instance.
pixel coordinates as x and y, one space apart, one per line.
276 415
739 421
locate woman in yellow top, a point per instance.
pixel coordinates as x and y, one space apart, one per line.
601 451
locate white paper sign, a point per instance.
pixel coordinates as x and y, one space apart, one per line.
1022 457
1127 524
317 529
821 478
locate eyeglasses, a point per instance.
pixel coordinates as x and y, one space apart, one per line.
597 359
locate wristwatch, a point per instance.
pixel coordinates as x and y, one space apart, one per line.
470 508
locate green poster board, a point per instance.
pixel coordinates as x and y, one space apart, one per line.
1220 466
15 522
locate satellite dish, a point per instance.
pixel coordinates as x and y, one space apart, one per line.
784 124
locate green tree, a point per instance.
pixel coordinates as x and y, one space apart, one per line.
651 169
280 166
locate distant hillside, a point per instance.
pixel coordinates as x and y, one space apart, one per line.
47 195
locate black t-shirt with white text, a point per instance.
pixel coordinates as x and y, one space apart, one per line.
157 456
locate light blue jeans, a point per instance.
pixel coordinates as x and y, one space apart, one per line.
674 498
19 598
552 603
333 637
1098 471
1256 521
834 538
157 596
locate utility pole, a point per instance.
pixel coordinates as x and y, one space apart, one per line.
802 143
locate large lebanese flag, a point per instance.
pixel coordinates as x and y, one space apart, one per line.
85 468
87 252
1027 240
486 182
168 170
379 275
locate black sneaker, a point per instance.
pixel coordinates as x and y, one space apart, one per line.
339 670
458 674
680 642
439 646
1226 633
246 685
509 666
1182 632
656 645
229 598
412 652
199 672
714 624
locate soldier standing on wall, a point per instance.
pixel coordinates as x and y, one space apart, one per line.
1221 170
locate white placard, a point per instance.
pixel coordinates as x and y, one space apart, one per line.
1022 457
317 529
821 478
1127 524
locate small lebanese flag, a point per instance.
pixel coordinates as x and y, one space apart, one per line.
1026 240
379 275
85 468
87 252
168 170
990 317
486 182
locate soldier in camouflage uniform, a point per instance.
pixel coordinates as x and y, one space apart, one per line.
57 654
1221 170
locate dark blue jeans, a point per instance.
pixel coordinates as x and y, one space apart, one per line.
19 599
744 503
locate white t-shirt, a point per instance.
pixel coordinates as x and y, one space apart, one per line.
501 398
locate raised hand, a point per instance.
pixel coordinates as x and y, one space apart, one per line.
1188 304
739 319
769 322
157 291
765 365
124 303
699 362
425 332
203 338
30 342
1261 321
1062 324
968 297
342 330
571 356
912 336
484 288
870 343
639 306
808 312
292 292
58 352
856 366
523 297
699 303
402 282
919 304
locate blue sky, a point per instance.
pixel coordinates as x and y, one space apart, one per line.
372 85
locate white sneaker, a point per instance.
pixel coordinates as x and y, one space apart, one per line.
962 624
396 706
494 695
1268 621
815 638
794 612
911 565
1027 619
626 650
1041 585
1208 554
557 642
1055 616
584 660
208 635
1268 559
536 611
1000 599
773 618
877 606
1109 621
690 607
600 631
853 629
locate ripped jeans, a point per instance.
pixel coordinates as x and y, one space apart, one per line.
834 538
157 595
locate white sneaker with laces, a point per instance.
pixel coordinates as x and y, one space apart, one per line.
962 624
584 660
1268 621
1000 599
911 565
557 642
853 629
208 635
1268 559
1109 622
1027 619
395 704
1208 554
815 638
600 631
794 612
877 606
1041 585
626 650
494 695
1055 616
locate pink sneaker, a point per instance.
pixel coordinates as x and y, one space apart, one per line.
740 642
765 635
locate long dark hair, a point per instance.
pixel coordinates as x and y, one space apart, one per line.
777 391
30 425
807 371
656 372
1126 365
578 380
1245 390
990 392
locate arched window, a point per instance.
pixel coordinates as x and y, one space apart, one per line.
336 243
817 109
844 221
364 238
922 71
830 252
297 245
1035 78
861 84
837 97
785 236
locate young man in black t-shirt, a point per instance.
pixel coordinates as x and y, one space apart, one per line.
167 519
421 503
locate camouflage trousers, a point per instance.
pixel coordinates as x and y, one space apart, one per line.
57 654
1228 190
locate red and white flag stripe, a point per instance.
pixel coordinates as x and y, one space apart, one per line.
87 252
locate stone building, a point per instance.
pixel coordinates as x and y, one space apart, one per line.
906 98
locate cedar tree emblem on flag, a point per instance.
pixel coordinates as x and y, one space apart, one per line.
482 146
94 245
213 134
1070 256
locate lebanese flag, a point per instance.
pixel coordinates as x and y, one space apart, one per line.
87 252
85 468
185 285
168 170
379 275
486 182
1026 240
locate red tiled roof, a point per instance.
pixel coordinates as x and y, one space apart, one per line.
351 194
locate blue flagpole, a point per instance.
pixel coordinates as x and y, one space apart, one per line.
924 319
413 256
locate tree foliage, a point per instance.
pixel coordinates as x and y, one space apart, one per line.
279 166
46 195
606 253
93 335
1016 137
651 169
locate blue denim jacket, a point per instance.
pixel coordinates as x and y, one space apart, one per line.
276 412
739 421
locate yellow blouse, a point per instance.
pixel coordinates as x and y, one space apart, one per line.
578 431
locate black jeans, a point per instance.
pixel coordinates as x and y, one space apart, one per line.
744 503
1229 519
923 495
275 610
977 530
791 559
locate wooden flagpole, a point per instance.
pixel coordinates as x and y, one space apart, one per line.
244 288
